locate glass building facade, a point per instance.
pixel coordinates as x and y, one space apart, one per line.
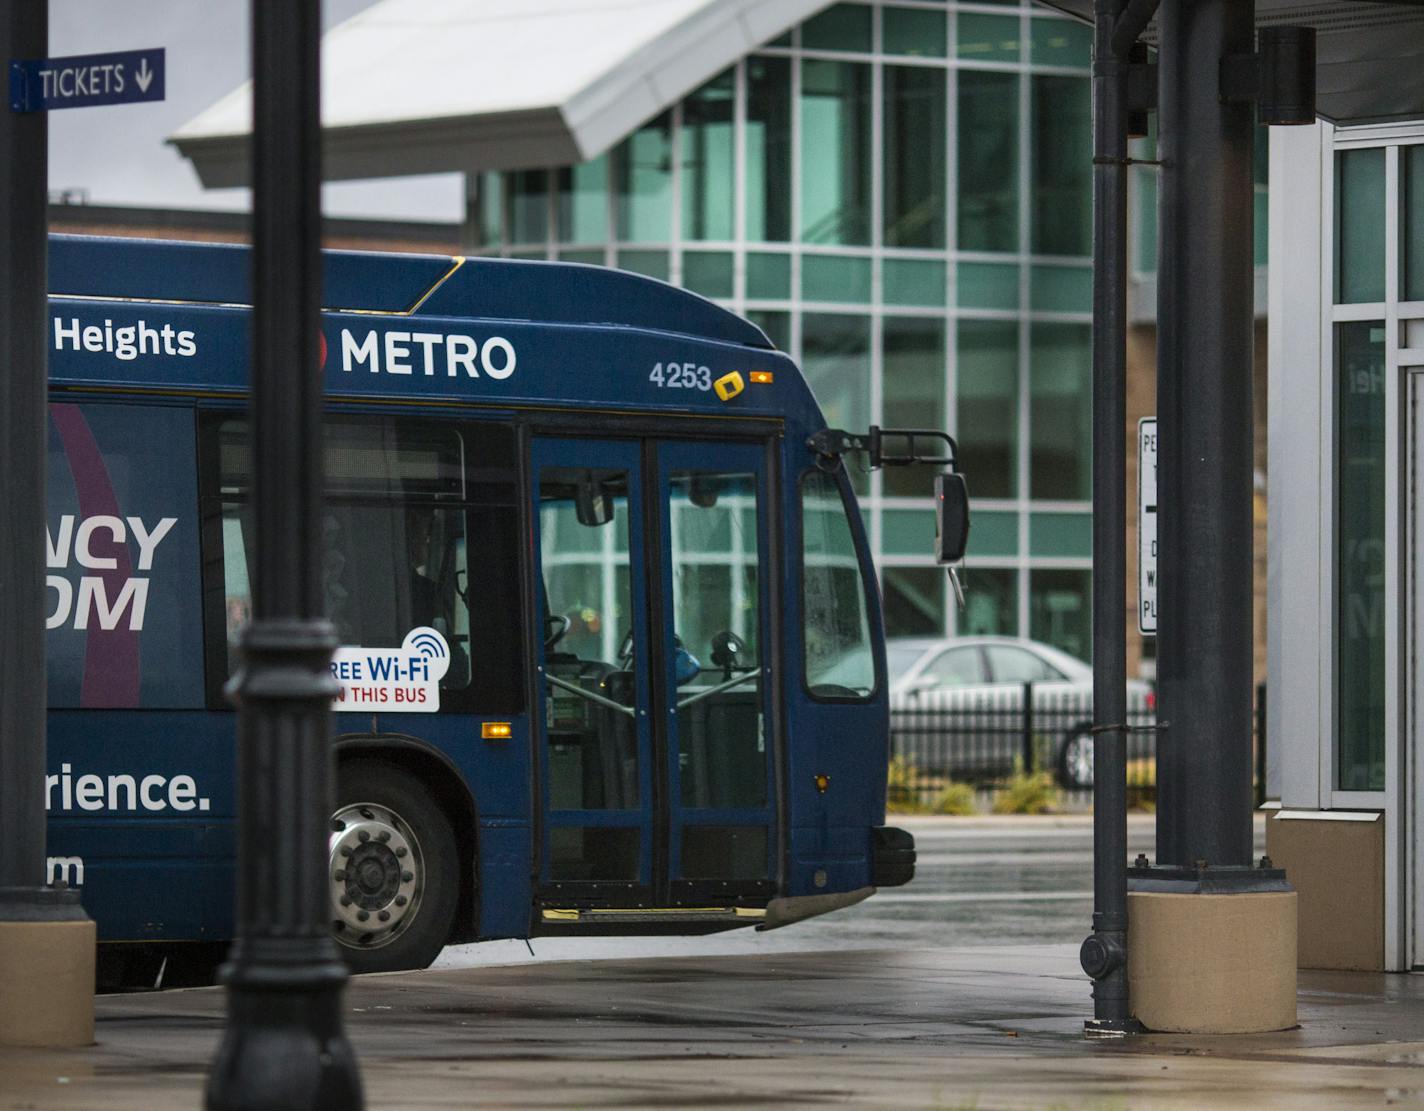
899 194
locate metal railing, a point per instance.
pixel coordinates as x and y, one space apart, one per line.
1028 747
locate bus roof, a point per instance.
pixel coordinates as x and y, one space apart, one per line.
411 285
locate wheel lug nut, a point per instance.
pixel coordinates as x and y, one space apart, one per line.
345 850
363 837
383 836
406 877
362 915
400 900
384 916
339 875
401 851
346 900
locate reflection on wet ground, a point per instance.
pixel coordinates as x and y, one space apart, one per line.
977 882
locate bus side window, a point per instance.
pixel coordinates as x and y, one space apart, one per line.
836 621
401 522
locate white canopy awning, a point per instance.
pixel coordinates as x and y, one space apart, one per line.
429 86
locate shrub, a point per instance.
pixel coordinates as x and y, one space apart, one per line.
1027 793
956 799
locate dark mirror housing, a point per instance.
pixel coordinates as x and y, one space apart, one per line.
592 505
951 517
727 649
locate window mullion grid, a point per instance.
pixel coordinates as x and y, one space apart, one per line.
739 186
1025 361
675 195
877 240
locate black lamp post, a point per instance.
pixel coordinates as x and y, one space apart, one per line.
284 1046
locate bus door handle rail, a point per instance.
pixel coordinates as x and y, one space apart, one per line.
724 685
597 699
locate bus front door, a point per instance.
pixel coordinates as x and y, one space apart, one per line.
655 756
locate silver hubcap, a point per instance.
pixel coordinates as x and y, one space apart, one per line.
376 874
1078 759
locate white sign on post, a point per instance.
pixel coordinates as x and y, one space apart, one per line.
1147 526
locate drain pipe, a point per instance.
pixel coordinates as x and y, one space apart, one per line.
1104 953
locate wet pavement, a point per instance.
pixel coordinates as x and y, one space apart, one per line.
978 881
985 1027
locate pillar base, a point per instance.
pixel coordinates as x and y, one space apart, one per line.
1212 964
47 983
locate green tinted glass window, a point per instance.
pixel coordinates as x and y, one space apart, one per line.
993 533
1060 610
914 156
707 144
1061 42
654 264
988 160
913 281
987 38
1062 167
708 272
835 278
987 285
908 531
835 351
642 176
991 602
912 391
489 208
839 27
915 31
768 153
1146 198
1061 411
583 202
529 206
1412 159
835 152
588 258
768 276
987 403
913 600
1061 289
1060 534
1360 578
1359 225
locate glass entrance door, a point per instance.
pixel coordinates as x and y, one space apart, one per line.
596 781
719 759
656 757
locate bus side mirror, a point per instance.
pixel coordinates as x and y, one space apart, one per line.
951 517
592 505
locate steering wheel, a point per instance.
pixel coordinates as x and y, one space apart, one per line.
555 626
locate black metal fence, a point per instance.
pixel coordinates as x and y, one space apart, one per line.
1020 749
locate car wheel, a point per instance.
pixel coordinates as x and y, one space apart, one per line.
393 872
1075 760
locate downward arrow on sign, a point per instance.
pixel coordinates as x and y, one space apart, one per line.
144 76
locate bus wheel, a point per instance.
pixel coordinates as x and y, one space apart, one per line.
393 873
1075 760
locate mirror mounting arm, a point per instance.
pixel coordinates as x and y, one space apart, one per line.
832 443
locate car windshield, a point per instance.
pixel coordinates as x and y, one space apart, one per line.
899 658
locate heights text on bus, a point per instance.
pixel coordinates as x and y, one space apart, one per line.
126 342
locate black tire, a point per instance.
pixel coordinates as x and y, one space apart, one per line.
1075 759
406 868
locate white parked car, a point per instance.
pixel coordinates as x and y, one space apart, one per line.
957 706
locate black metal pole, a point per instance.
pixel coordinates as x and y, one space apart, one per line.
284 1046
1104 953
24 170
1204 355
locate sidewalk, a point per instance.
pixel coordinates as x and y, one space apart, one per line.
947 1028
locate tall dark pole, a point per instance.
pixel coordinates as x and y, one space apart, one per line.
284 1046
1204 373
1104 954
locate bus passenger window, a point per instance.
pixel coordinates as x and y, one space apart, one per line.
836 638
395 549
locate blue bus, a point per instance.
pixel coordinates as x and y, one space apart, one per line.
612 651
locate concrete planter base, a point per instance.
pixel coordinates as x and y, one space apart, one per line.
1212 964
